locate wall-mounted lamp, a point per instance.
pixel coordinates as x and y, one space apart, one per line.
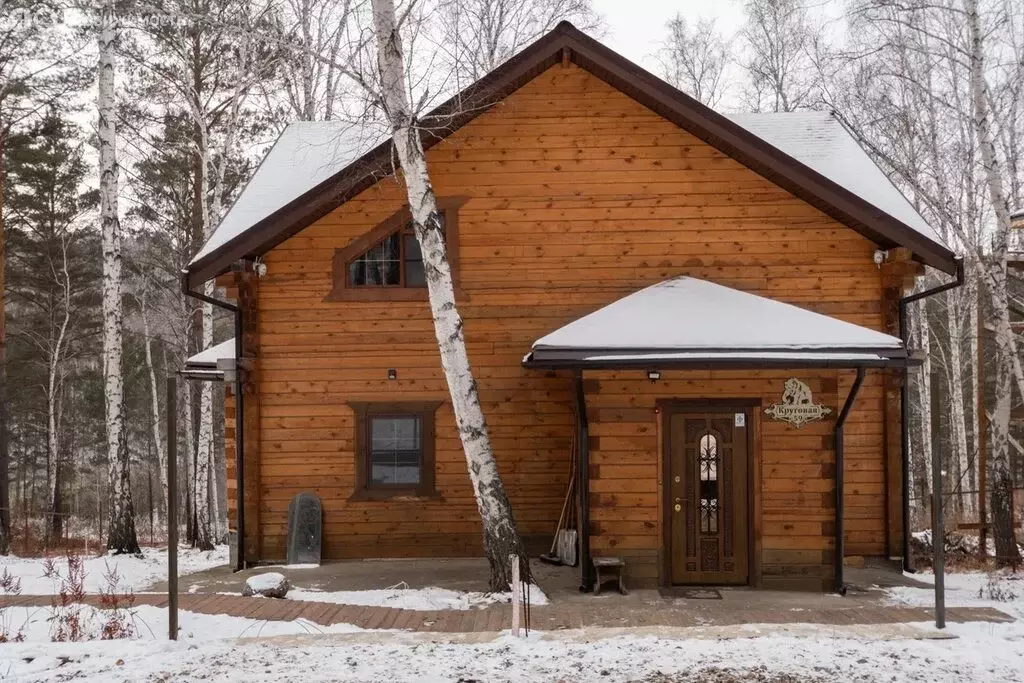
392 373
653 375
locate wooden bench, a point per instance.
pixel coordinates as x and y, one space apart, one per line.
616 566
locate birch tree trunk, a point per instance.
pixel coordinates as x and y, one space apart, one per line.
5 462
957 411
922 464
121 536
154 393
53 398
501 538
1001 483
204 532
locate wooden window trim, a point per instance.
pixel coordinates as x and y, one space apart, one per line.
425 410
342 291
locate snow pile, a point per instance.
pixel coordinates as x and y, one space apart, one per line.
425 599
135 573
269 585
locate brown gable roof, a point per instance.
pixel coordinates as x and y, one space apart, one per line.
567 41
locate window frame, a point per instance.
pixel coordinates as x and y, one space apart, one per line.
342 290
364 411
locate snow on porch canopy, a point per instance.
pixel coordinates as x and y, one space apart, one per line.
687 322
210 363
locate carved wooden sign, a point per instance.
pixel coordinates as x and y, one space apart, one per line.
797 406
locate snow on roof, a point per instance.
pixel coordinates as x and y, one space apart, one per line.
306 154
690 315
309 152
820 141
209 357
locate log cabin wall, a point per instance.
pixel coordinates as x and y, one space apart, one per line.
578 196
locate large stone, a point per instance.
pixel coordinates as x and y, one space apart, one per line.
269 585
305 527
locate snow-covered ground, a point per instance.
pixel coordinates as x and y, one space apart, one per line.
35 625
1002 591
301 651
817 654
133 572
428 599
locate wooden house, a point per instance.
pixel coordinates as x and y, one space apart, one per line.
703 308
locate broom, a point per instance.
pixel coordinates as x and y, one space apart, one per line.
567 515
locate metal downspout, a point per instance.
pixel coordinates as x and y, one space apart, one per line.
905 405
583 475
838 445
239 413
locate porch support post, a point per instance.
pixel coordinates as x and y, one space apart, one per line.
583 484
838 441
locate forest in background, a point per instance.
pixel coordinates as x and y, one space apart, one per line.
198 89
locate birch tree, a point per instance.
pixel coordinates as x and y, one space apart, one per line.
311 76
694 59
478 35
779 41
501 538
1007 359
121 536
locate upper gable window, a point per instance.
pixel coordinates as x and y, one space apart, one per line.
396 261
386 263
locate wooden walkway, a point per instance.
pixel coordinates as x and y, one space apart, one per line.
546 618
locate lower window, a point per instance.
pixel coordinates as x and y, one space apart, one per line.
394 449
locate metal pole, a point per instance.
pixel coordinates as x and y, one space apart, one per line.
938 539
583 472
240 547
838 446
172 508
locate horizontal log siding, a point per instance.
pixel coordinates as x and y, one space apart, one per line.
579 196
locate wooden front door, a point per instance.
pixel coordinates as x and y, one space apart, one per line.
706 499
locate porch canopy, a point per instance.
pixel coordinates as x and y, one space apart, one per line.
691 323
211 363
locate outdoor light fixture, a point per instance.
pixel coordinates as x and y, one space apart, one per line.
653 375
392 373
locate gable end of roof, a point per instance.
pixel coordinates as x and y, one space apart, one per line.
639 84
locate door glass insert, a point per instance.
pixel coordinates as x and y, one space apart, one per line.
708 484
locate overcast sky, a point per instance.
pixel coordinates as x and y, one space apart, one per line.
636 28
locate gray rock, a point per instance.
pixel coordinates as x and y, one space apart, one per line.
269 585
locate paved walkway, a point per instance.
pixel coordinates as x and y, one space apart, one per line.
546 618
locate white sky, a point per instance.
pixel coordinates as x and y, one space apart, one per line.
636 28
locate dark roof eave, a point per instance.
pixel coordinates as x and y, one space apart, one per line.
652 92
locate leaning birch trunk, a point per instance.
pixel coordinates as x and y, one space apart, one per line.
501 538
121 534
1001 483
154 393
